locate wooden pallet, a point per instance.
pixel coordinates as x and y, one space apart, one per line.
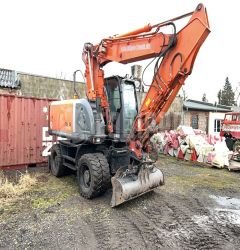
234 166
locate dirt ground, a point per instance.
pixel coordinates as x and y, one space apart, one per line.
198 208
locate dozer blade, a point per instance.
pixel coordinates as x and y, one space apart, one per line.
128 187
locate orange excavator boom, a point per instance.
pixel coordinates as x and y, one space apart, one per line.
175 54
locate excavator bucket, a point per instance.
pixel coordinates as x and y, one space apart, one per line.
128 187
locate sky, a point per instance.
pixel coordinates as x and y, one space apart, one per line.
46 37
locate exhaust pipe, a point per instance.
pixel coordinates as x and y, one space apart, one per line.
130 186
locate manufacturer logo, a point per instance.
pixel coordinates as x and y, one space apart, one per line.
138 47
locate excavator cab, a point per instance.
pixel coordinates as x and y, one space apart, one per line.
123 105
127 184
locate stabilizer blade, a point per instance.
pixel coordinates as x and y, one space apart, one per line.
128 187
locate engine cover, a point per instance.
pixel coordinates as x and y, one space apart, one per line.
73 119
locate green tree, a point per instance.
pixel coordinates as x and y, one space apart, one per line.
204 97
219 96
226 95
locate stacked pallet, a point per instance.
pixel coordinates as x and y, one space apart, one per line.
193 145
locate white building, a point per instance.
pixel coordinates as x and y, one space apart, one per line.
204 116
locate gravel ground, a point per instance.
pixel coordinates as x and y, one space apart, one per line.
198 208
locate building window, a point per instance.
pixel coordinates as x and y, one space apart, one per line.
194 122
217 125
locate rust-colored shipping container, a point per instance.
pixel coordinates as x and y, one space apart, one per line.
23 131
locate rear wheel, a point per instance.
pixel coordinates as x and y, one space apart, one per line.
93 175
56 161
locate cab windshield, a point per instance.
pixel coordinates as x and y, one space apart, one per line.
129 104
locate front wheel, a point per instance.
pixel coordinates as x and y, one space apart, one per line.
93 175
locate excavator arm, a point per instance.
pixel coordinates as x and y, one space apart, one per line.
175 55
176 65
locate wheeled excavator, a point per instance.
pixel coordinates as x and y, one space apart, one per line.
106 135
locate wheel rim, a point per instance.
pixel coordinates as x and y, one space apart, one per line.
86 176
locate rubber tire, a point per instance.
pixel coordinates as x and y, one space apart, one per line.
99 174
56 161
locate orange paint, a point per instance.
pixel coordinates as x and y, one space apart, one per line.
61 117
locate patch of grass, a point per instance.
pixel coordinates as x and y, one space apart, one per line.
2 177
202 180
11 190
43 202
35 190
183 177
53 192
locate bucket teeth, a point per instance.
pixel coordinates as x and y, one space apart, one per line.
130 186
